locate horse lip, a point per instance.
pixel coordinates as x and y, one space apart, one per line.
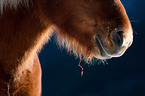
103 51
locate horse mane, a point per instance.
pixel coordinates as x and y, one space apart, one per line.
11 3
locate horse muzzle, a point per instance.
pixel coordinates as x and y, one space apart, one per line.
119 41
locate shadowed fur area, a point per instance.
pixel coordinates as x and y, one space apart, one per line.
86 28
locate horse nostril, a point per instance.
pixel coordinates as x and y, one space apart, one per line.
117 37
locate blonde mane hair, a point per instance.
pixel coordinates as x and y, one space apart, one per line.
11 3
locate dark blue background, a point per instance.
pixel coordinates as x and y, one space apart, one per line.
124 76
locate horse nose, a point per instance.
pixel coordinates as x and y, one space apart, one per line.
117 37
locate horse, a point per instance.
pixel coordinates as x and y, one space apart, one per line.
87 28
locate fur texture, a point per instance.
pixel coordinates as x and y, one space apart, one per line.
26 25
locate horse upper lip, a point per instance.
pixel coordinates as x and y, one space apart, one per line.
103 51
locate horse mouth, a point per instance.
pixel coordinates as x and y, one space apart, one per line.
103 52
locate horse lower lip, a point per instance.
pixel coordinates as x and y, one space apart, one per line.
103 53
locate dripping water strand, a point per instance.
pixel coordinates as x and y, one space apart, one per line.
8 89
82 69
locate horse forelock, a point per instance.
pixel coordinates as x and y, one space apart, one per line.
11 3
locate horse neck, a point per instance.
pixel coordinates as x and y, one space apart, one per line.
22 33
